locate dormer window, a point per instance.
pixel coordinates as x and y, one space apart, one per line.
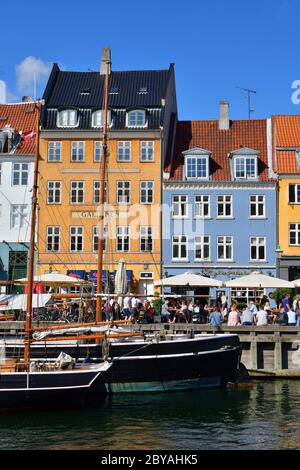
245 164
245 167
196 164
98 118
67 118
136 118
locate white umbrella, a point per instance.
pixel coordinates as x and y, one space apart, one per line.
121 279
296 283
257 280
19 301
53 279
188 279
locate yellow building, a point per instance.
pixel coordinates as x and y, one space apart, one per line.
286 148
142 112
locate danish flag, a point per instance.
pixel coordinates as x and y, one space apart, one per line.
29 136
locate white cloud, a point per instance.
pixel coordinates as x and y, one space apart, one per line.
27 69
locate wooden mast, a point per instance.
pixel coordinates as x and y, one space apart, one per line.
102 193
30 268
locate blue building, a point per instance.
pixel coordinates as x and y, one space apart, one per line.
219 215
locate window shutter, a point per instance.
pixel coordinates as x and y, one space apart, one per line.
291 193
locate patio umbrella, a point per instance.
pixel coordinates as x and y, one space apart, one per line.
257 280
53 279
296 283
188 279
121 279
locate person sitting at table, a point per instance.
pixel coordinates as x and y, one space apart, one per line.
283 318
247 317
292 321
262 317
215 317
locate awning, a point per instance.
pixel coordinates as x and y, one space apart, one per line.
53 279
76 273
93 275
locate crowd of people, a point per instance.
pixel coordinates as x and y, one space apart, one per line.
132 308
261 313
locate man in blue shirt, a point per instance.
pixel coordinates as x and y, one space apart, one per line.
286 302
215 317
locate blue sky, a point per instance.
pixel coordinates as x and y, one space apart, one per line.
216 45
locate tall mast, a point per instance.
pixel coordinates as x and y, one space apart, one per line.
30 268
102 196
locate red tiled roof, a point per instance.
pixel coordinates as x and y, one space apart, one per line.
206 135
20 118
287 162
287 130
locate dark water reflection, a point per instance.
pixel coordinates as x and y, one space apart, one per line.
267 416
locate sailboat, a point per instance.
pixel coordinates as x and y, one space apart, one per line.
124 361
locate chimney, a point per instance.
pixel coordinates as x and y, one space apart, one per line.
224 116
105 58
2 92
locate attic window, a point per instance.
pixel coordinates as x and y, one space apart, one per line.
3 118
143 90
85 92
29 110
114 90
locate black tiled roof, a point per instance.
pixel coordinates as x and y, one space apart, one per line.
84 91
67 86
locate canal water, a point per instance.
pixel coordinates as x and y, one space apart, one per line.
265 416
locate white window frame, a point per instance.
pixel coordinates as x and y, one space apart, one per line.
95 235
19 213
245 158
53 236
77 228
200 241
123 187
180 243
98 147
147 190
122 145
98 122
197 157
147 145
56 187
201 203
146 233
23 170
54 147
257 203
297 233
179 203
74 186
98 189
254 241
121 232
224 237
224 203
77 145
136 126
67 118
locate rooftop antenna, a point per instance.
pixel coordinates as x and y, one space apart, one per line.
248 98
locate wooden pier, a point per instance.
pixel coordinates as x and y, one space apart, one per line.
267 352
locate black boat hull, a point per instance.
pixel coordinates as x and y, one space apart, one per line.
173 372
20 390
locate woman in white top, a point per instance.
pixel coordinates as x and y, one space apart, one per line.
262 317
